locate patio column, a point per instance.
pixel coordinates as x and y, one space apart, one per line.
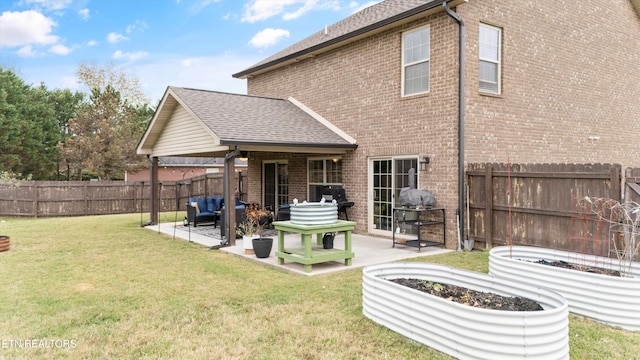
230 197
154 207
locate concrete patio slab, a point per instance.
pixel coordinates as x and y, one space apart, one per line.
368 250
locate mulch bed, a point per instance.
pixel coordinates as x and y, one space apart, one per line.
470 297
571 266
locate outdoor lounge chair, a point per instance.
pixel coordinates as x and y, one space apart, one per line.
204 210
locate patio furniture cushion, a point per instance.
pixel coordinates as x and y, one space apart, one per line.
205 209
214 203
202 204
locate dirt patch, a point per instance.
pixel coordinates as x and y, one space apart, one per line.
465 296
572 266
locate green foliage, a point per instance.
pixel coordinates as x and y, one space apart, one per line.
29 128
103 135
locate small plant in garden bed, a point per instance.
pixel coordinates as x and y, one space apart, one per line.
470 297
571 266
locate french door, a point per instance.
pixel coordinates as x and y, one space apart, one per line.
275 183
386 177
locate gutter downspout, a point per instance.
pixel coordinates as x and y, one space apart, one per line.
461 63
229 197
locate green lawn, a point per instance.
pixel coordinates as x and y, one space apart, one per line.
101 287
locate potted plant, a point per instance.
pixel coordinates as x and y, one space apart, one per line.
257 219
248 230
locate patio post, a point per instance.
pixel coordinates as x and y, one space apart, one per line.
230 197
154 191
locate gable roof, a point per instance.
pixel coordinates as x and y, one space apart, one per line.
227 120
366 22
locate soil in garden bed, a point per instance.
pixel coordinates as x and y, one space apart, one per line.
568 265
462 295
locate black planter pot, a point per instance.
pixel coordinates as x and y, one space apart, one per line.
262 247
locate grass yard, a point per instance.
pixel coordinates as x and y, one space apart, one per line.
101 287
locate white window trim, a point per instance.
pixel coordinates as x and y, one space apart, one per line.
324 174
499 62
404 66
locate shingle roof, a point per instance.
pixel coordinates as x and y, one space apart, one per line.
366 20
238 119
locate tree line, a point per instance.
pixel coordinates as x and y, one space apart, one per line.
70 135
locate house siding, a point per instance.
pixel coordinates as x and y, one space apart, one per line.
568 73
183 134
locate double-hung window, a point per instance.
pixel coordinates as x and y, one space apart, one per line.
415 61
323 172
489 72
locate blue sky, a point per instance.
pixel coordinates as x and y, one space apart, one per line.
190 43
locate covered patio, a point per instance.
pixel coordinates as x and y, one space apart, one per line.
368 250
201 123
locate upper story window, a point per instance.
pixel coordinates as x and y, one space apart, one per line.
489 74
415 61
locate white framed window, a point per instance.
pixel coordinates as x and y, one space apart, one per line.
323 172
490 40
415 61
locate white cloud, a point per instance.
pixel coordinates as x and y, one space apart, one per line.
138 25
197 6
26 51
356 7
84 13
60 49
268 37
92 43
26 28
49 4
130 56
259 10
115 37
187 62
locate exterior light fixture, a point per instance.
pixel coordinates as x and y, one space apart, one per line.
424 162
244 155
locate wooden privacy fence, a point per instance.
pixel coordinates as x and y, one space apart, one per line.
632 185
76 198
537 204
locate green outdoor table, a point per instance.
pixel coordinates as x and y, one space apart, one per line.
309 254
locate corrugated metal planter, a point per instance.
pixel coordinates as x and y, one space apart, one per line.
5 243
608 299
462 331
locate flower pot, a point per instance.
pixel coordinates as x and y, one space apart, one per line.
262 247
612 300
463 331
4 243
247 243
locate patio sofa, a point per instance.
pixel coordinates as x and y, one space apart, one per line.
204 210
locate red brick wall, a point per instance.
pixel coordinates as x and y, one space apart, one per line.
569 72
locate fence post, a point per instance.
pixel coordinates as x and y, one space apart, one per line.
35 201
488 210
616 181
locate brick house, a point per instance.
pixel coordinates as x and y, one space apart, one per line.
543 81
